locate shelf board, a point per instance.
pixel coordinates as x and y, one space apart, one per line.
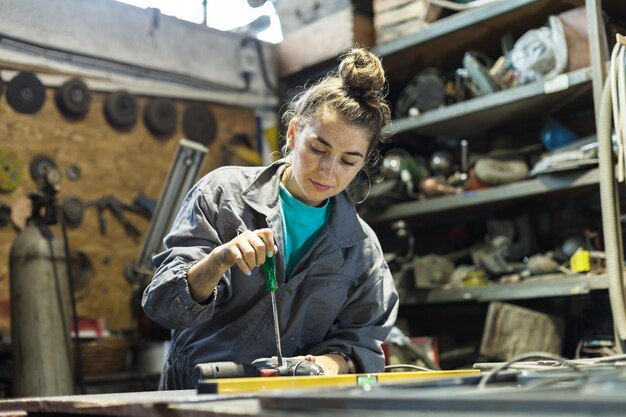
541 185
453 23
551 286
473 29
476 116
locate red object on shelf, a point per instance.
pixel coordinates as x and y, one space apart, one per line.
89 328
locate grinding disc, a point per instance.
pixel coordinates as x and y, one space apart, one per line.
39 166
10 169
73 211
73 98
121 109
199 123
160 116
25 93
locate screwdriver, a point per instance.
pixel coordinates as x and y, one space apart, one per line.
269 267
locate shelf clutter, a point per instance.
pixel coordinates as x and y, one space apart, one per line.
494 122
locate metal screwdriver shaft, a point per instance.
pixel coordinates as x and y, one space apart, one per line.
269 268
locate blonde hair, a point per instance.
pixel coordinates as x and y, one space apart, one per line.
356 90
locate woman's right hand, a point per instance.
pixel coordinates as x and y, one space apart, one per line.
248 250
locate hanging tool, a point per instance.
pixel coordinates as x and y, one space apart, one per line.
116 207
269 267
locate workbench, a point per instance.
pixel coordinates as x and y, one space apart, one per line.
563 393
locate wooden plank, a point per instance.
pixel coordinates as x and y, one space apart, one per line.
410 11
384 5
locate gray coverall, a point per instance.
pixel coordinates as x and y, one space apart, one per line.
340 296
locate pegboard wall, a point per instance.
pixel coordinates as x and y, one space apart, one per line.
112 162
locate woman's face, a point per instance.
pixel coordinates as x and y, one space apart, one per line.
326 156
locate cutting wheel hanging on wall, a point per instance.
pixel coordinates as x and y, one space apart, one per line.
73 98
121 109
160 116
199 123
40 165
25 93
10 169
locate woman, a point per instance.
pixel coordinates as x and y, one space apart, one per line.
336 300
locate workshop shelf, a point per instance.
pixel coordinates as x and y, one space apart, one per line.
461 32
574 181
555 285
515 105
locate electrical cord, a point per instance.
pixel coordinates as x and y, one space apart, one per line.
408 366
79 361
611 114
524 356
259 50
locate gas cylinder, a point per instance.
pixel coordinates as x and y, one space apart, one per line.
40 314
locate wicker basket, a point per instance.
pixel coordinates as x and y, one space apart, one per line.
104 355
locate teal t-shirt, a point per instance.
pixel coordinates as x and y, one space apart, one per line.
301 225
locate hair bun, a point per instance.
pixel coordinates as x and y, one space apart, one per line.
362 73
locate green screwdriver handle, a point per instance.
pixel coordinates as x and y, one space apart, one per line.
269 267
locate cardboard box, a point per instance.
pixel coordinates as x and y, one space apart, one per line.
315 32
394 19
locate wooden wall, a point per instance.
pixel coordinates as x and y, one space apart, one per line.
119 163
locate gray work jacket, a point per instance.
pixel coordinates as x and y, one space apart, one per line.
340 297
